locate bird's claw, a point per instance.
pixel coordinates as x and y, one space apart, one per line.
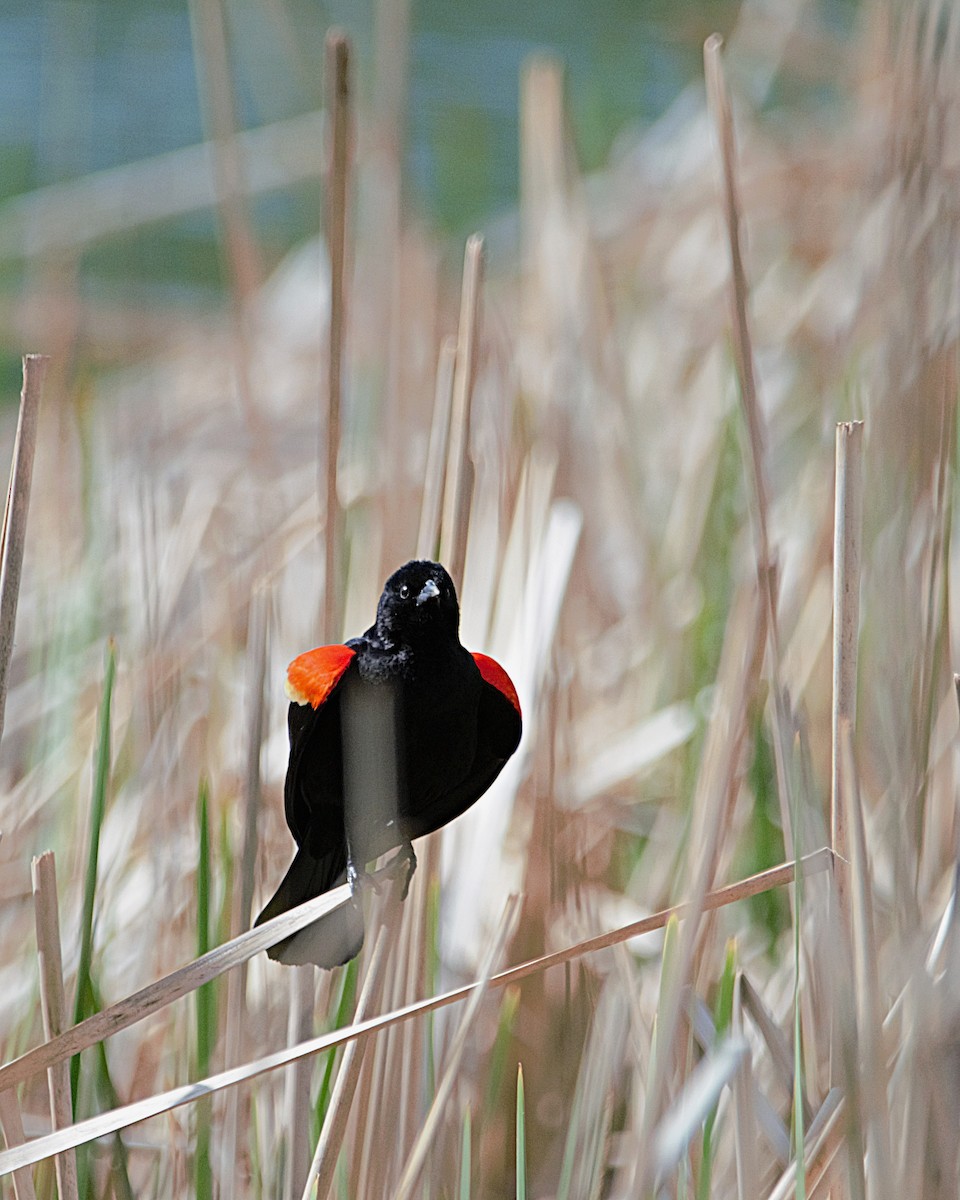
404 860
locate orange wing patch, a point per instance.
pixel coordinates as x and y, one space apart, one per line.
312 676
497 677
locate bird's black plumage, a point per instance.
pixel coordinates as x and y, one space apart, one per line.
392 735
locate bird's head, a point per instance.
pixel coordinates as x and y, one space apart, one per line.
419 600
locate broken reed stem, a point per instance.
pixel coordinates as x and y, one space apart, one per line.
847 526
428 536
320 1175
14 533
53 1006
458 483
279 927
337 78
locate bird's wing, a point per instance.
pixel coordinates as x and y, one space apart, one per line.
498 730
312 676
500 705
313 790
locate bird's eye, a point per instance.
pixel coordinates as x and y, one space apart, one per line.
404 591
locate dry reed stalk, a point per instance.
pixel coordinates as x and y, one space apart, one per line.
417 1159
12 1124
458 484
53 1006
320 1175
161 992
401 988
244 883
413 1034
70 216
428 535
823 1145
744 1110
719 102
132 1114
368 1140
767 574
338 105
781 1055
715 787
242 254
847 531
212 58
338 102
366 1134
936 608
872 1075
14 533
296 1099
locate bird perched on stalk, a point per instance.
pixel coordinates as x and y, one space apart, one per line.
392 735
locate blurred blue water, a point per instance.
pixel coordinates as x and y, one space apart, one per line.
88 84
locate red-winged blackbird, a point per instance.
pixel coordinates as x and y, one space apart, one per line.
392 735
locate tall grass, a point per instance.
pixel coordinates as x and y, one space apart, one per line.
627 454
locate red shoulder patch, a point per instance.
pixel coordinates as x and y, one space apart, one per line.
312 676
497 677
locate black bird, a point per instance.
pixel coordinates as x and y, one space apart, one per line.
392 735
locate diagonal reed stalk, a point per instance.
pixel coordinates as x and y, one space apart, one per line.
12 1124
280 927
322 1168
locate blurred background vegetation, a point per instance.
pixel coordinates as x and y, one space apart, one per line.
678 730
86 86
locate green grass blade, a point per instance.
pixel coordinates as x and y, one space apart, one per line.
97 809
669 965
464 1192
723 1017
570 1149
521 1138
431 975
342 1015
798 1131
206 1000
501 1046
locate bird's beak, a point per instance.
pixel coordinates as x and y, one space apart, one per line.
429 591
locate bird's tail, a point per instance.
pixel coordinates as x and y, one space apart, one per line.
334 938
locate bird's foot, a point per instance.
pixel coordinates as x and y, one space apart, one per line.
405 860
